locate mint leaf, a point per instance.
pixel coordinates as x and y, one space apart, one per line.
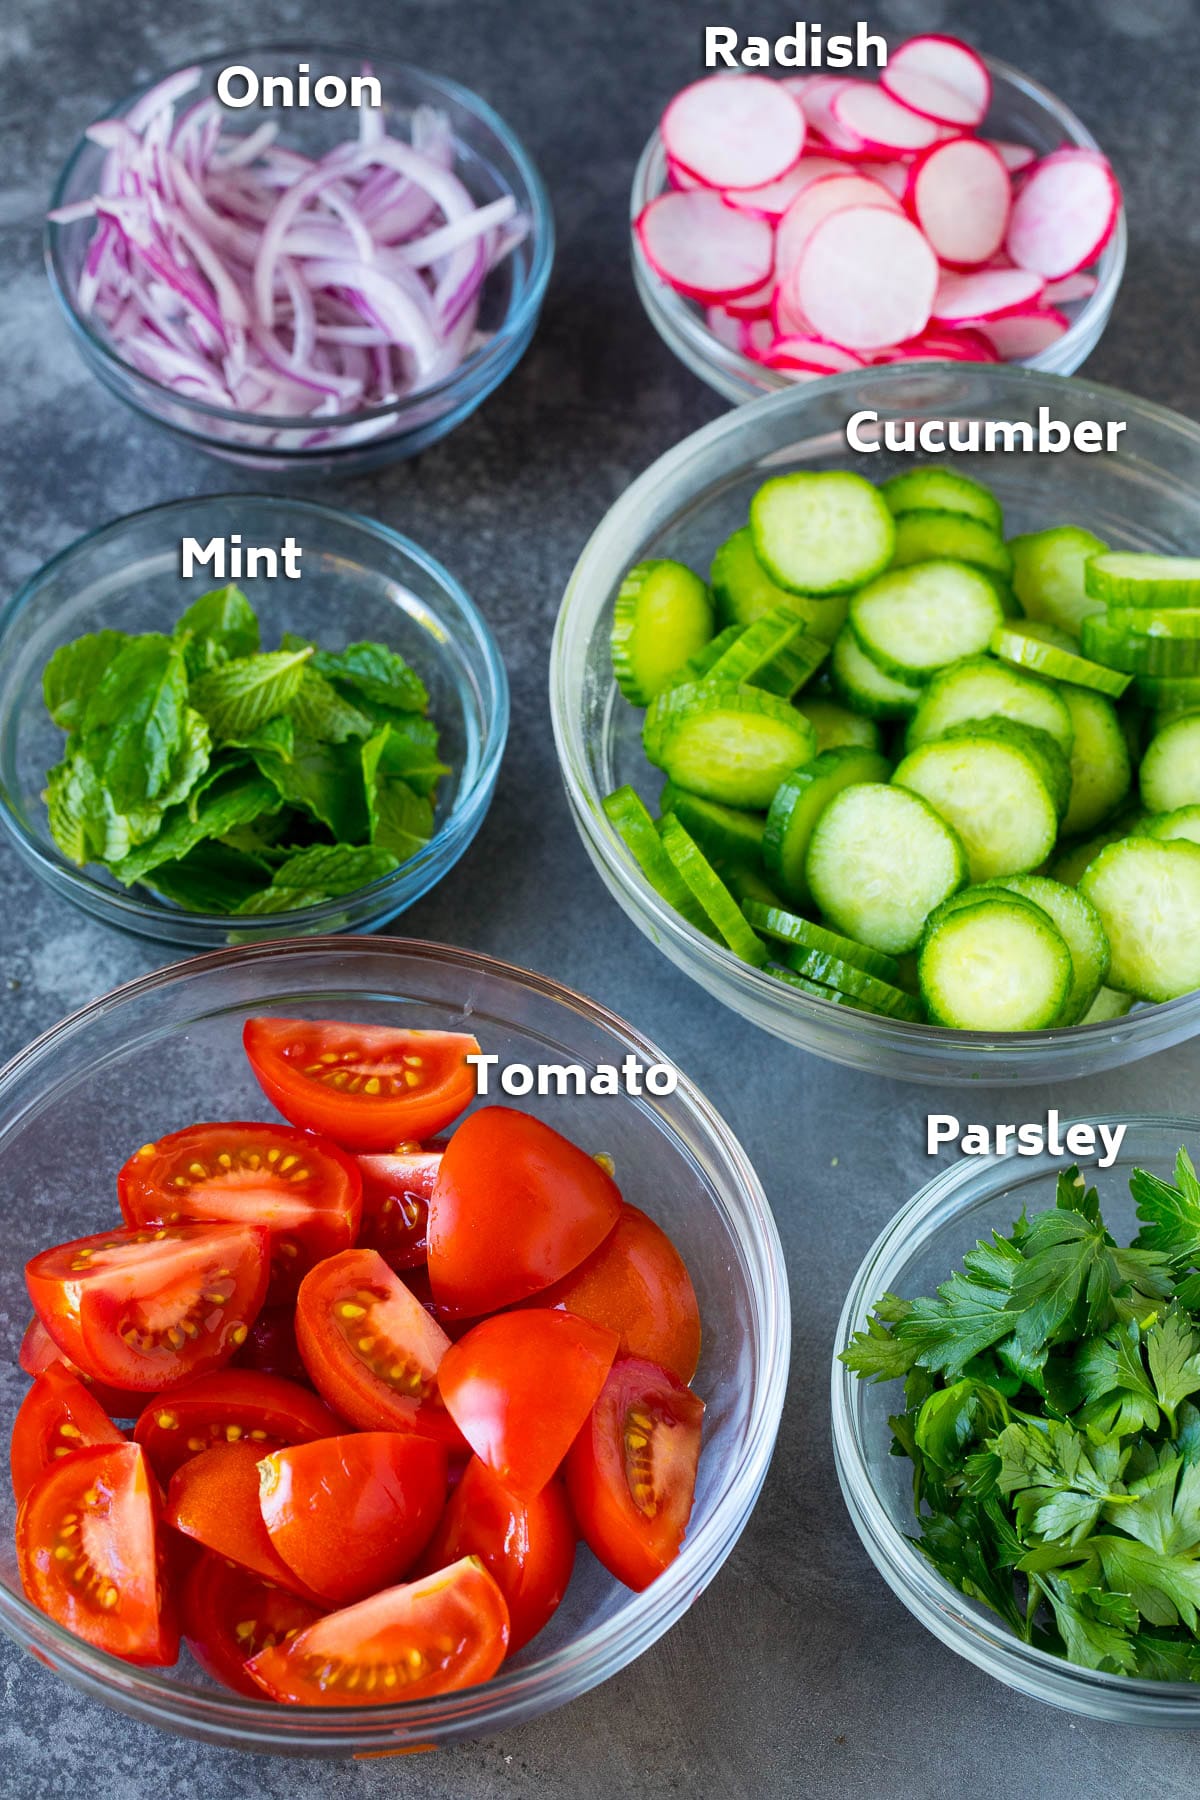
216 628
412 753
322 872
277 737
375 672
275 899
209 879
326 780
83 821
399 818
133 722
242 695
74 671
321 712
236 798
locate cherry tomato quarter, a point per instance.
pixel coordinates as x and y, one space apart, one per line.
57 1417
39 1352
213 1498
396 1192
228 1616
228 1407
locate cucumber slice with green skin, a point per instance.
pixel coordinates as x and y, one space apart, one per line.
799 801
912 622
1049 574
776 653
932 488
1161 656
997 963
794 666
1134 578
874 995
1155 621
950 536
979 687
1107 1005
879 860
726 834
1170 771
1169 697
1079 924
746 885
1183 822
727 743
629 818
1073 860
663 615
1048 633
836 725
787 928
1101 767
1025 651
816 988
991 788
863 686
698 667
1147 893
742 589
710 892
821 532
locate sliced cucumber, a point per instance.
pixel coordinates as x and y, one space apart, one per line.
1170 771
697 667
1101 769
1073 859
995 962
817 989
776 653
872 994
1025 651
1156 621
836 725
979 687
912 622
628 816
1183 822
879 861
1048 633
727 743
741 587
934 488
1107 1005
1134 578
788 928
863 686
1049 574
821 532
799 802
726 834
991 787
1147 893
1079 923
710 892
950 536
1169 697
745 884
1140 655
663 615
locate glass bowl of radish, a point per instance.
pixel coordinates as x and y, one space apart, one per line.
306 286
166 1049
761 876
954 210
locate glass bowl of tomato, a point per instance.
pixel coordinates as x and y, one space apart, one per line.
138 1068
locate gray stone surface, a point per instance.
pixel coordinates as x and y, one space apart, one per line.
797 1673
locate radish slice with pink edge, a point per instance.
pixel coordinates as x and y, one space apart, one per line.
833 193
681 178
869 114
772 200
1064 214
941 78
960 195
724 327
787 318
831 138
702 247
1015 157
757 337
940 346
734 131
1026 334
1071 287
812 353
866 279
985 294
891 175
756 304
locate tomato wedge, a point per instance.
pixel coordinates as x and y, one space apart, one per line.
56 1417
350 1515
227 1407
39 1352
519 1388
528 1545
371 1349
303 1188
396 1191
631 1473
516 1207
368 1087
271 1345
143 1308
637 1284
229 1615
89 1553
213 1498
433 1636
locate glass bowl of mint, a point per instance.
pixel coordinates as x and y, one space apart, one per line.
300 734
1016 1420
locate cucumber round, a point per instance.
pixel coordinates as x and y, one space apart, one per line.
1049 574
1184 822
1135 578
821 531
1156 621
979 687
1140 654
710 892
992 789
1101 767
1107 1005
1170 771
863 686
1074 858
912 622
726 834
1026 651
777 653
663 615
799 801
1079 923
994 963
629 818
788 928
836 725
845 978
934 488
742 590
925 536
1168 696
1147 893
733 744
697 667
879 861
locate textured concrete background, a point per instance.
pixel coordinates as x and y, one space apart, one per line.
798 1673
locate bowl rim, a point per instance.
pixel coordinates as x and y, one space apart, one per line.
450 839
659 299
599 1651
939 1606
527 298
651 912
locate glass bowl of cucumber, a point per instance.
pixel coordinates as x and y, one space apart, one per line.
930 732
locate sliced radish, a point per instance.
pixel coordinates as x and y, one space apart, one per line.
941 346
867 113
724 326
1026 334
681 178
773 200
867 278
802 351
833 193
941 78
1015 157
1064 214
891 175
786 316
1071 287
960 195
757 337
702 247
754 305
734 131
986 294
832 137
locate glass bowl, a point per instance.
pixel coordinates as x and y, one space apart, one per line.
1144 497
167 1049
1021 110
359 581
927 1238
491 162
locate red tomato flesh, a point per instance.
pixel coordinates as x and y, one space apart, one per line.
213 1498
368 1087
39 1352
144 1308
304 1189
350 1515
228 1616
433 1636
271 1345
396 1193
516 1207
631 1473
228 1407
528 1545
519 1388
57 1417
88 1549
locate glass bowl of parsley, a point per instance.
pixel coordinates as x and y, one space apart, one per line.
303 739
1016 1420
